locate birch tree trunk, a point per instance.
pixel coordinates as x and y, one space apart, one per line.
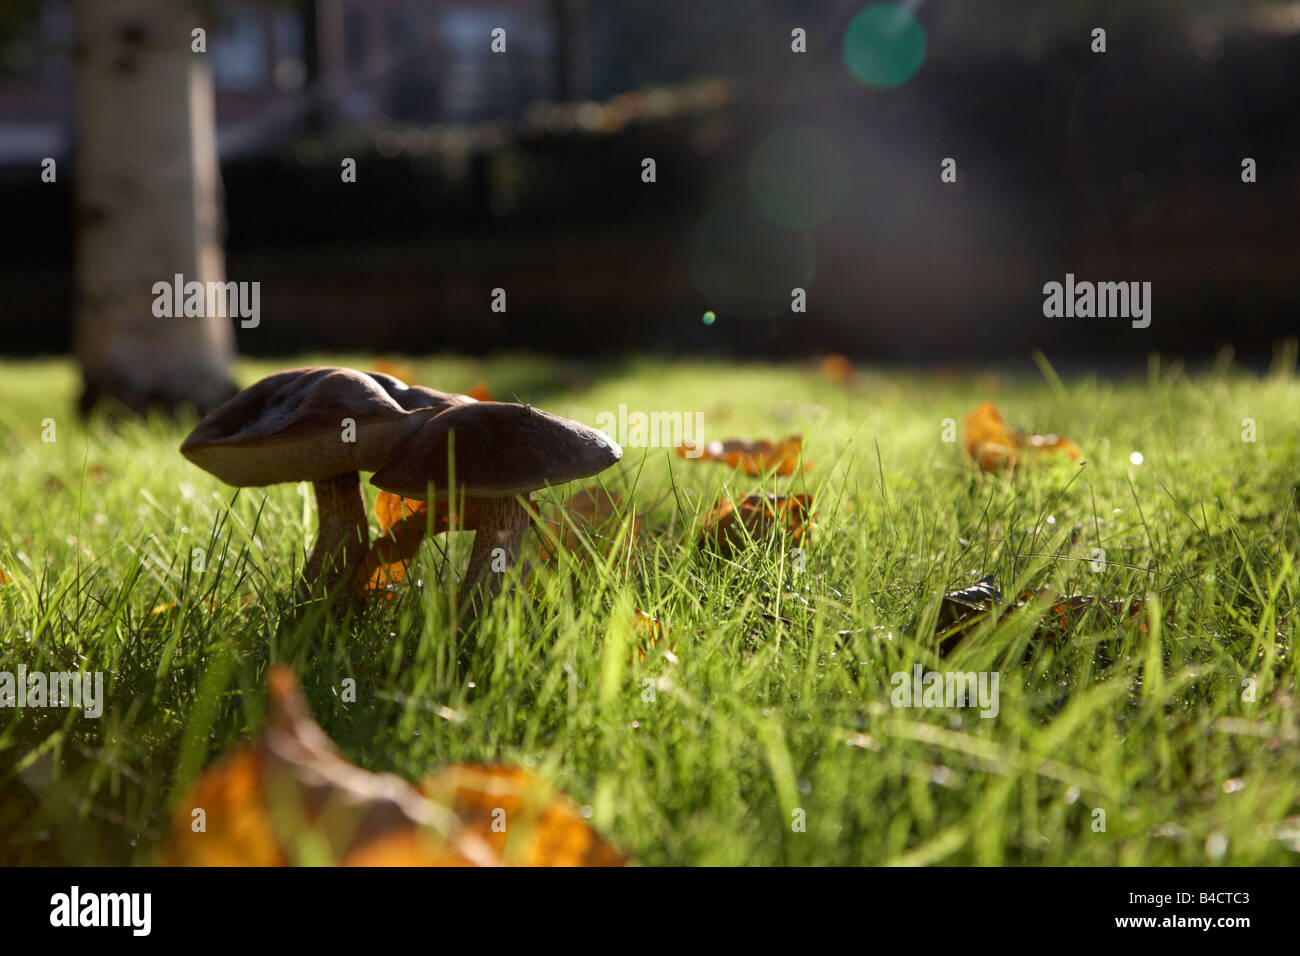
148 206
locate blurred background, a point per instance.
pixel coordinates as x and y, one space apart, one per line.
522 170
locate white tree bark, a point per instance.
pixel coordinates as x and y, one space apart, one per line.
148 206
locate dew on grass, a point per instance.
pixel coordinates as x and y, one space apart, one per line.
1136 458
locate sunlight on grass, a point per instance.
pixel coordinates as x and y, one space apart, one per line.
120 556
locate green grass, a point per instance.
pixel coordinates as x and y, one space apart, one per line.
758 719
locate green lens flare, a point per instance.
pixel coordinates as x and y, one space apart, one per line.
884 45
798 177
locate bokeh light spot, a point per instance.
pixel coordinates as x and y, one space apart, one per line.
884 45
798 177
709 318
744 265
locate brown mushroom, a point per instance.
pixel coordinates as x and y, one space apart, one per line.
415 398
322 425
494 452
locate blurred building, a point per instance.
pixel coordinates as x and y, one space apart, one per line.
279 69
1123 166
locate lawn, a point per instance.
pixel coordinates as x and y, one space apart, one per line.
767 736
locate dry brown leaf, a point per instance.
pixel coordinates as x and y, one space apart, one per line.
290 798
992 443
756 457
728 526
964 611
525 820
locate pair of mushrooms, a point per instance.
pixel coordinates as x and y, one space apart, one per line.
326 425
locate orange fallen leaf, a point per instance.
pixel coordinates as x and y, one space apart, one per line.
727 526
992 443
290 798
390 556
836 367
755 457
1065 612
398 370
525 820
481 392
403 524
1054 443
391 508
649 631
989 440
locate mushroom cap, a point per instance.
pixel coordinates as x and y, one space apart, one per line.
417 397
501 449
290 427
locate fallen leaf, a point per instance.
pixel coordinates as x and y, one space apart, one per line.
755 457
992 443
836 367
289 798
481 392
649 631
525 820
390 556
1065 612
989 440
961 612
403 524
1054 444
391 508
398 370
728 526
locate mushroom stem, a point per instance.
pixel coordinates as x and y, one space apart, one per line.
501 524
343 535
